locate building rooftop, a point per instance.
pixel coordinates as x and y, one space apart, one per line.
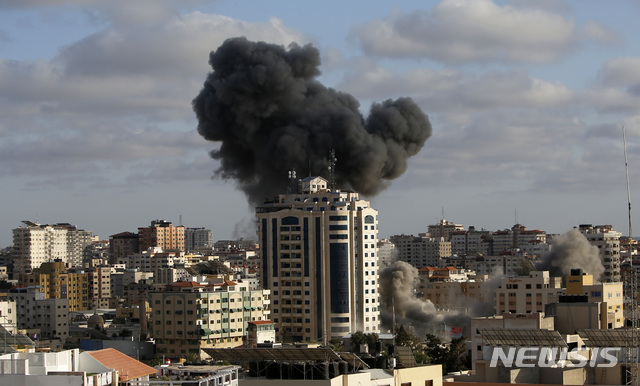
128 367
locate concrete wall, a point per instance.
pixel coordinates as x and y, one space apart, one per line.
43 380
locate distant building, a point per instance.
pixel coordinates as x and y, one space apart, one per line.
518 237
471 242
444 229
162 234
34 244
197 238
122 245
421 251
36 312
56 283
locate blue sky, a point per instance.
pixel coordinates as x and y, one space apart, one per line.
526 98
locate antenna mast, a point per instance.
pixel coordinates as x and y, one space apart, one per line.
332 170
292 182
630 284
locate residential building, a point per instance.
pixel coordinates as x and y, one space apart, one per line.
34 244
197 238
608 242
319 259
421 251
518 237
122 245
513 263
188 316
56 283
38 314
527 294
387 253
444 229
609 295
471 242
162 234
100 287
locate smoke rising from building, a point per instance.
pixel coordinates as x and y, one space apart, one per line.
270 115
569 251
397 283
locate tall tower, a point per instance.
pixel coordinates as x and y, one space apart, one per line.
319 259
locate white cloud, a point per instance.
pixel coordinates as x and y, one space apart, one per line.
459 91
460 31
123 93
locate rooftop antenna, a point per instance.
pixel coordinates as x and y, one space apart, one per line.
292 182
332 170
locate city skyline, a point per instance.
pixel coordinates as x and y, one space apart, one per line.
526 99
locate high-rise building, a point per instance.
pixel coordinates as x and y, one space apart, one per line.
197 238
34 244
162 234
608 242
319 259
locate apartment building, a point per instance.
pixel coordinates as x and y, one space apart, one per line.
609 295
608 242
195 238
471 242
161 234
56 283
421 251
443 229
519 237
122 245
319 259
100 287
527 294
189 316
35 312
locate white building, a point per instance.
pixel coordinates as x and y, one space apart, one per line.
34 312
608 242
197 238
34 244
421 251
319 259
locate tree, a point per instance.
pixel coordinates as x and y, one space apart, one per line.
435 350
457 357
357 338
407 338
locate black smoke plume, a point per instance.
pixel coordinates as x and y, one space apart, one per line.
569 251
270 115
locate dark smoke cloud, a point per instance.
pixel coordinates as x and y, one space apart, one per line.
270 115
569 251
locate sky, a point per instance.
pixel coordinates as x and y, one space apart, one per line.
527 101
